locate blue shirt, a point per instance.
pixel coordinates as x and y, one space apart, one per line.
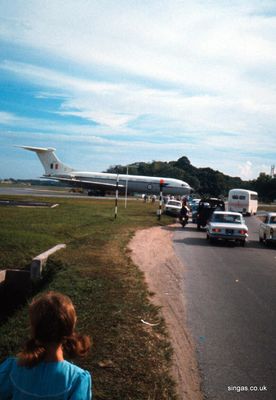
46 381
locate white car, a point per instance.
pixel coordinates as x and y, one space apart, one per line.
194 202
267 229
173 207
227 225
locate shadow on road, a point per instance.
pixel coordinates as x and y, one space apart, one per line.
258 245
202 241
178 228
193 241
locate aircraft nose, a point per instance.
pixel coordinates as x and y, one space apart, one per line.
187 186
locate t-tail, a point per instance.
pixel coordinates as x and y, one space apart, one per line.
52 165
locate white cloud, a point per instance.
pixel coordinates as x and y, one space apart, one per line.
249 171
246 170
7 118
191 73
206 47
115 105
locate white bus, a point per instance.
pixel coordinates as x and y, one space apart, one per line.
243 201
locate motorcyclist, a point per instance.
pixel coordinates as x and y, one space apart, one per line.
184 213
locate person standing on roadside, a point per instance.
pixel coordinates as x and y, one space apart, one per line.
40 370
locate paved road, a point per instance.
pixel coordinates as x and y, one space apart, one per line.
231 303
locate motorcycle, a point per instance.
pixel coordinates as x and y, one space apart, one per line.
183 220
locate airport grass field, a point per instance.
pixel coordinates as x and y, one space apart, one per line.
128 360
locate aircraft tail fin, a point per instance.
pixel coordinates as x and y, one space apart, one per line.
52 165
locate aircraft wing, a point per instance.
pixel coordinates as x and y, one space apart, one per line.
88 184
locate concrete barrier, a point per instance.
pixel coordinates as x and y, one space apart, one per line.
17 277
3 275
17 285
14 277
15 288
39 261
18 281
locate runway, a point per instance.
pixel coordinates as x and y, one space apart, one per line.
39 191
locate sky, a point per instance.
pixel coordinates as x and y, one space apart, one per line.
116 82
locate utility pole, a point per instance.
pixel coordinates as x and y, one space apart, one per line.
159 212
116 196
126 188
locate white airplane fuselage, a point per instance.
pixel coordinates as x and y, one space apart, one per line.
134 183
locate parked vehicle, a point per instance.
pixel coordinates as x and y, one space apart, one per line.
173 207
193 202
206 207
267 229
243 201
227 225
194 211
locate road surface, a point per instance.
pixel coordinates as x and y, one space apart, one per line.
231 303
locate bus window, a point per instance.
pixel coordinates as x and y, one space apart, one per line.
235 197
253 197
242 197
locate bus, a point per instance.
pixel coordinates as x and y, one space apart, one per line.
243 201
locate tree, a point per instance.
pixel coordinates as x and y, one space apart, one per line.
265 185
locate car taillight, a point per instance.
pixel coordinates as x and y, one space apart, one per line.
243 232
216 230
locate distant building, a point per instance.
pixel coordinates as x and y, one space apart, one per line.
7 181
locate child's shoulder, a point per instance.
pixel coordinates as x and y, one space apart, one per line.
74 369
8 363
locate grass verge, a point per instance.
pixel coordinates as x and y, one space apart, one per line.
129 360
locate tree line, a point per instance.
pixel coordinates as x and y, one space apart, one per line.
204 181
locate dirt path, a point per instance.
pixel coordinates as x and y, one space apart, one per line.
152 251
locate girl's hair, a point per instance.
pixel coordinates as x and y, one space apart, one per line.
53 319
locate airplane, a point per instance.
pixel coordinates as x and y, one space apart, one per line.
102 181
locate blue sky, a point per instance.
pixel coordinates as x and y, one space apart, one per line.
109 83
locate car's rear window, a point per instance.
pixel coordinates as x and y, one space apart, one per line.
174 203
226 218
